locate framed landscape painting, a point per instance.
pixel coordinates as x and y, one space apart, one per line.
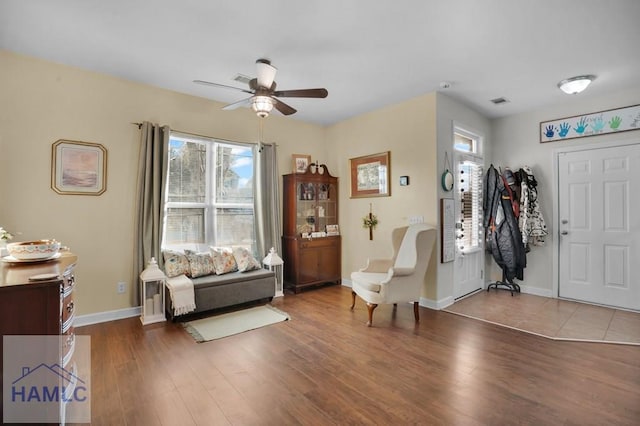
78 168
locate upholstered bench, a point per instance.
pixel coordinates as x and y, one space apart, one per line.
235 288
221 278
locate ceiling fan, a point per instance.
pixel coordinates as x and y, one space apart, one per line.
264 96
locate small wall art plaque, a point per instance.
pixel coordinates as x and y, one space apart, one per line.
594 124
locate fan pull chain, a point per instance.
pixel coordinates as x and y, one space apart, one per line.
261 121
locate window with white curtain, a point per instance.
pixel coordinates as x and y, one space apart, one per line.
210 194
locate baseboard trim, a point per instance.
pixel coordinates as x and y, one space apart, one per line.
536 291
107 316
436 304
424 302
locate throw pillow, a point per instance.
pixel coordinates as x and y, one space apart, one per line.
175 264
200 264
223 261
245 260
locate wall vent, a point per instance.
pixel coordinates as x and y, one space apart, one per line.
242 79
500 101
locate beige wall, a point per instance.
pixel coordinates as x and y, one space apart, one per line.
408 131
43 102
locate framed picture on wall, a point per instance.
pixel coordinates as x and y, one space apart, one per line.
594 124
447 230
78 168
370 175
300 163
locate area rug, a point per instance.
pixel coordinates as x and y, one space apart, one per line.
219 326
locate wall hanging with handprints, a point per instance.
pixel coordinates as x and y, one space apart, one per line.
594 124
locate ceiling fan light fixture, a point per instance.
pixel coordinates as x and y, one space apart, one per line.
262 105
263 94
575 85
266 73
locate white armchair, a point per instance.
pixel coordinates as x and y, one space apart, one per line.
401 278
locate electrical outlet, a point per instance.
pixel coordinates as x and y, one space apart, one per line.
122 287
415 219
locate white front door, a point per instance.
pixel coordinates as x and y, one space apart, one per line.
468 275
599 225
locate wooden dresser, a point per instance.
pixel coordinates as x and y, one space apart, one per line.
38 307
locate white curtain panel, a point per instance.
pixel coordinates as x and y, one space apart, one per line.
267 199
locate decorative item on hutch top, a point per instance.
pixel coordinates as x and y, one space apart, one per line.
152 297
274 261
311 237
300 162
370 175
78 168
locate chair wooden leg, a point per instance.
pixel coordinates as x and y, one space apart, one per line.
371 307
353 299
416 311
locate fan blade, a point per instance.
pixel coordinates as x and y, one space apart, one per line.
235 105
208 83
283 108
266 73
302 93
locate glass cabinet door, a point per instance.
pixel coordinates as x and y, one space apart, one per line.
327 208
306 208
317 208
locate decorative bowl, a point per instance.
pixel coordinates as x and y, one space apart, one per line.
33 250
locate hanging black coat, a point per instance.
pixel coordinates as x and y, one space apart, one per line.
504 239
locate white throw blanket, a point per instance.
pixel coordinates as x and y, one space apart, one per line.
182 296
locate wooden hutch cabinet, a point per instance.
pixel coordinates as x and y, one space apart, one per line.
311 240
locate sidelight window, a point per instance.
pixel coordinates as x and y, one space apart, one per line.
469 191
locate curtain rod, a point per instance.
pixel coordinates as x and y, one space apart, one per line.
210 137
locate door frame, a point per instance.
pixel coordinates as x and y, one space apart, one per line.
556 202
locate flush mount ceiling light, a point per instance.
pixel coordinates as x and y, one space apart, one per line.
262 105
574 85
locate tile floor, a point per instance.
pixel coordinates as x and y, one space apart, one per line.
552 318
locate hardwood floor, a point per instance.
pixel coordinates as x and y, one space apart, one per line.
326 367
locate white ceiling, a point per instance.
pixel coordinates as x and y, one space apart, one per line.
367 53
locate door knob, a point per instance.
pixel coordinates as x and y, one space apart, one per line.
564 233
